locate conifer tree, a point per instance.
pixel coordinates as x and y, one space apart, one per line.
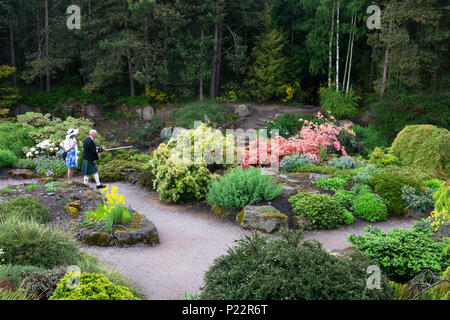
268 70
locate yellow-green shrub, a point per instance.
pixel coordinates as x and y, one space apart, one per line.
425 146
93 286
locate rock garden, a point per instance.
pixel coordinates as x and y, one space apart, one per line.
247 150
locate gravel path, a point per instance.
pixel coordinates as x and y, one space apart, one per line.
190 241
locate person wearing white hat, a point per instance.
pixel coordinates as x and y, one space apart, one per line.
71 148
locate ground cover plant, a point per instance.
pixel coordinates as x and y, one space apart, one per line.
402 253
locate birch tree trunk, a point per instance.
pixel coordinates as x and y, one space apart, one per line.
347 56
330 47
386 63
351 54
337 47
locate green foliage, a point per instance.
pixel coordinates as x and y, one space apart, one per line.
388 185
185 116
334 183
370 137
361 189
178 182
52 186
418 200
368 207
19 294
362 175
338 103
25 164
30 243
398 110
242 187
266 76
344 198
14 137
401 253
322 210
411 289
8 95
90 264
288 124
24 208
290 163
7 158
115 170
426 146
51 166
316 169
433 183
38 281
287 268
43 127
345 163
92 287
381 159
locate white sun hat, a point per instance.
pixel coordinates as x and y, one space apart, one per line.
71 132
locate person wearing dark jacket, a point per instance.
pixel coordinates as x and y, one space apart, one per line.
90 155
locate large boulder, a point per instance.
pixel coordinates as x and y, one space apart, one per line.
263 218
148 113
242 111
166 133
141 231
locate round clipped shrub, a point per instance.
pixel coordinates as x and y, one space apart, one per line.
322 210
25 208
425 146
368 207
30 243
93 286
243 187
7 158
287 268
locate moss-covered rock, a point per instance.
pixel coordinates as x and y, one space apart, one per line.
22 173
301 223
73 208
141 231
263 218
424 145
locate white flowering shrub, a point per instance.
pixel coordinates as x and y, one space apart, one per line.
1 254
44 148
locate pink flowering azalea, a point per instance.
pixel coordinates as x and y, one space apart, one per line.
311 139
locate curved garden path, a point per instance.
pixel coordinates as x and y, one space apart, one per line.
190 240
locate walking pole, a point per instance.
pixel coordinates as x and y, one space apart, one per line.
119 148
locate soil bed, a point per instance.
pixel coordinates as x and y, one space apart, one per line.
55 200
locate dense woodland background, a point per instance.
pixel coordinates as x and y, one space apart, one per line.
247 50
